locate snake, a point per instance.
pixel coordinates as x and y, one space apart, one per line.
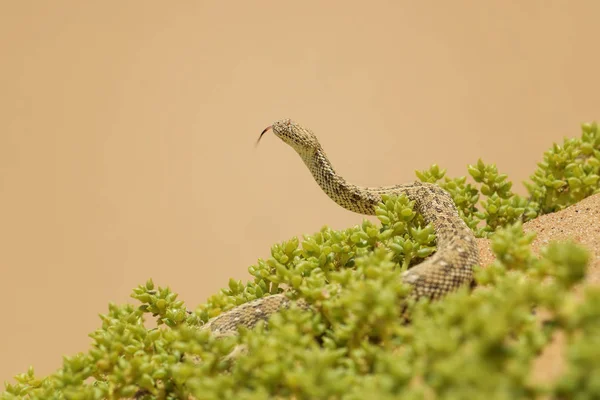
449 268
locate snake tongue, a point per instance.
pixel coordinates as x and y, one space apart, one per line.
262 133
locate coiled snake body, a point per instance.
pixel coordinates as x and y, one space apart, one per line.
450 267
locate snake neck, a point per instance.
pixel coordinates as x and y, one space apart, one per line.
349 196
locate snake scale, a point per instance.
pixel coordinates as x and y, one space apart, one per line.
448 268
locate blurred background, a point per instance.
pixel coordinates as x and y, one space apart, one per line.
127 133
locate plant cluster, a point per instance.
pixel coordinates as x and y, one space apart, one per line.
567 174
354 344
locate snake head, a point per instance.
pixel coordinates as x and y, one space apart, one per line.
300 138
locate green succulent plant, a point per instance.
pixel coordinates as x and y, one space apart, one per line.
353 344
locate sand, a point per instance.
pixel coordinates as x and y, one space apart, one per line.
581 223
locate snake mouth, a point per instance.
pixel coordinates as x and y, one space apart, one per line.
263 132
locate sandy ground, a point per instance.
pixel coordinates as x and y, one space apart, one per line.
581 223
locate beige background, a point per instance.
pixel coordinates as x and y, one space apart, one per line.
127 132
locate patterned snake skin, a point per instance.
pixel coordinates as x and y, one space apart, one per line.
450 267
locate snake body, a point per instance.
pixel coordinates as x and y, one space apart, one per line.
449 268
